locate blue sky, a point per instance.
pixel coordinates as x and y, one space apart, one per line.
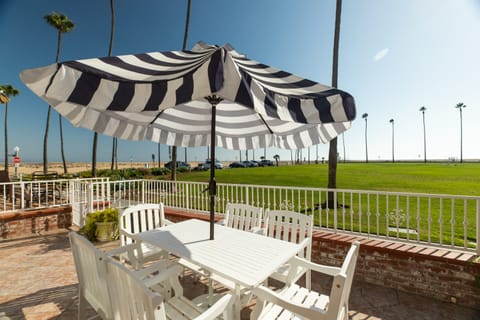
395 56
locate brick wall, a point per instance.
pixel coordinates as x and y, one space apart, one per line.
25 224
446 275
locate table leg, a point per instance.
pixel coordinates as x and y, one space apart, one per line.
238 302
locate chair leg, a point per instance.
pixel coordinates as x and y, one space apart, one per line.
82 304
308 279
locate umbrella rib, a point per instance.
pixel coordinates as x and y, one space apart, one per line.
265 123
156 117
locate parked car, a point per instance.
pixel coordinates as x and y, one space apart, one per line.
266 163
180 164
237 164
250 164
218 164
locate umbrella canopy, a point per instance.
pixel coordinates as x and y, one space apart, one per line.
210 95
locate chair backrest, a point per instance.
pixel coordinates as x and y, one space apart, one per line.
131 299
307 304
290 226
90 267
242 216
342 283
138 218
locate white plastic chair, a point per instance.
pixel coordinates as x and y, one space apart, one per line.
142 217
295 302
91 274
132 298
243 217
293 227
238 216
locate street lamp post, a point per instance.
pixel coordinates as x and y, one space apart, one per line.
422 110
365 116
16 159
460 106
393 139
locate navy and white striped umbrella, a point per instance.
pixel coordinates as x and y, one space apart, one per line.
207 96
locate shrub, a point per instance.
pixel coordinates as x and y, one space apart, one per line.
90 227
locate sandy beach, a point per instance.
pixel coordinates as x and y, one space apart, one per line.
75 167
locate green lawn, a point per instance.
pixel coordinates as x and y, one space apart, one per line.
431 219
437 178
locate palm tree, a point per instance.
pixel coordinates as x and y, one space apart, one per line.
332 152
3 97
422 110
365 116
7 91
184 46
277 159
63 25
393 140
460 106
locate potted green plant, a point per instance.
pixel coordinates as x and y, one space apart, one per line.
102 225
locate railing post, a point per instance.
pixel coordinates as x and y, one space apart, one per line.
22 201
478 226
89 186
335 206
143 191
187 196
108 190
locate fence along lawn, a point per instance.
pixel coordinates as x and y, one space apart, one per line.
440 220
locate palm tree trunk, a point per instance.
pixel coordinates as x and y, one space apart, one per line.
158 154
332 152
110 48
62 151
95 135
94 154
112 164
61 144
174 148
45 142
6 137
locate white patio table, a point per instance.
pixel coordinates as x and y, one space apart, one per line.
245 258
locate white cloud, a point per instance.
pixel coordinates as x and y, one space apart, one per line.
380 54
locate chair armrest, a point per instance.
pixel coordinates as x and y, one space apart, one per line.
258 230
223 304
164 274
265 294
305 243
328 270
153 268
123 249
222 222
132 251
127 234
168 222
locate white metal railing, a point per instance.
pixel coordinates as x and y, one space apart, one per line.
40 194
435 219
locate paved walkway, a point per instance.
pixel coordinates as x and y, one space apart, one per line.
38 281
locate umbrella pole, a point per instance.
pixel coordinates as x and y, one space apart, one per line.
212 186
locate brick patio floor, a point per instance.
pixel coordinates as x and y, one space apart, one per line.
38 281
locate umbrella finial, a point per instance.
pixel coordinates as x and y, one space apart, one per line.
214 99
